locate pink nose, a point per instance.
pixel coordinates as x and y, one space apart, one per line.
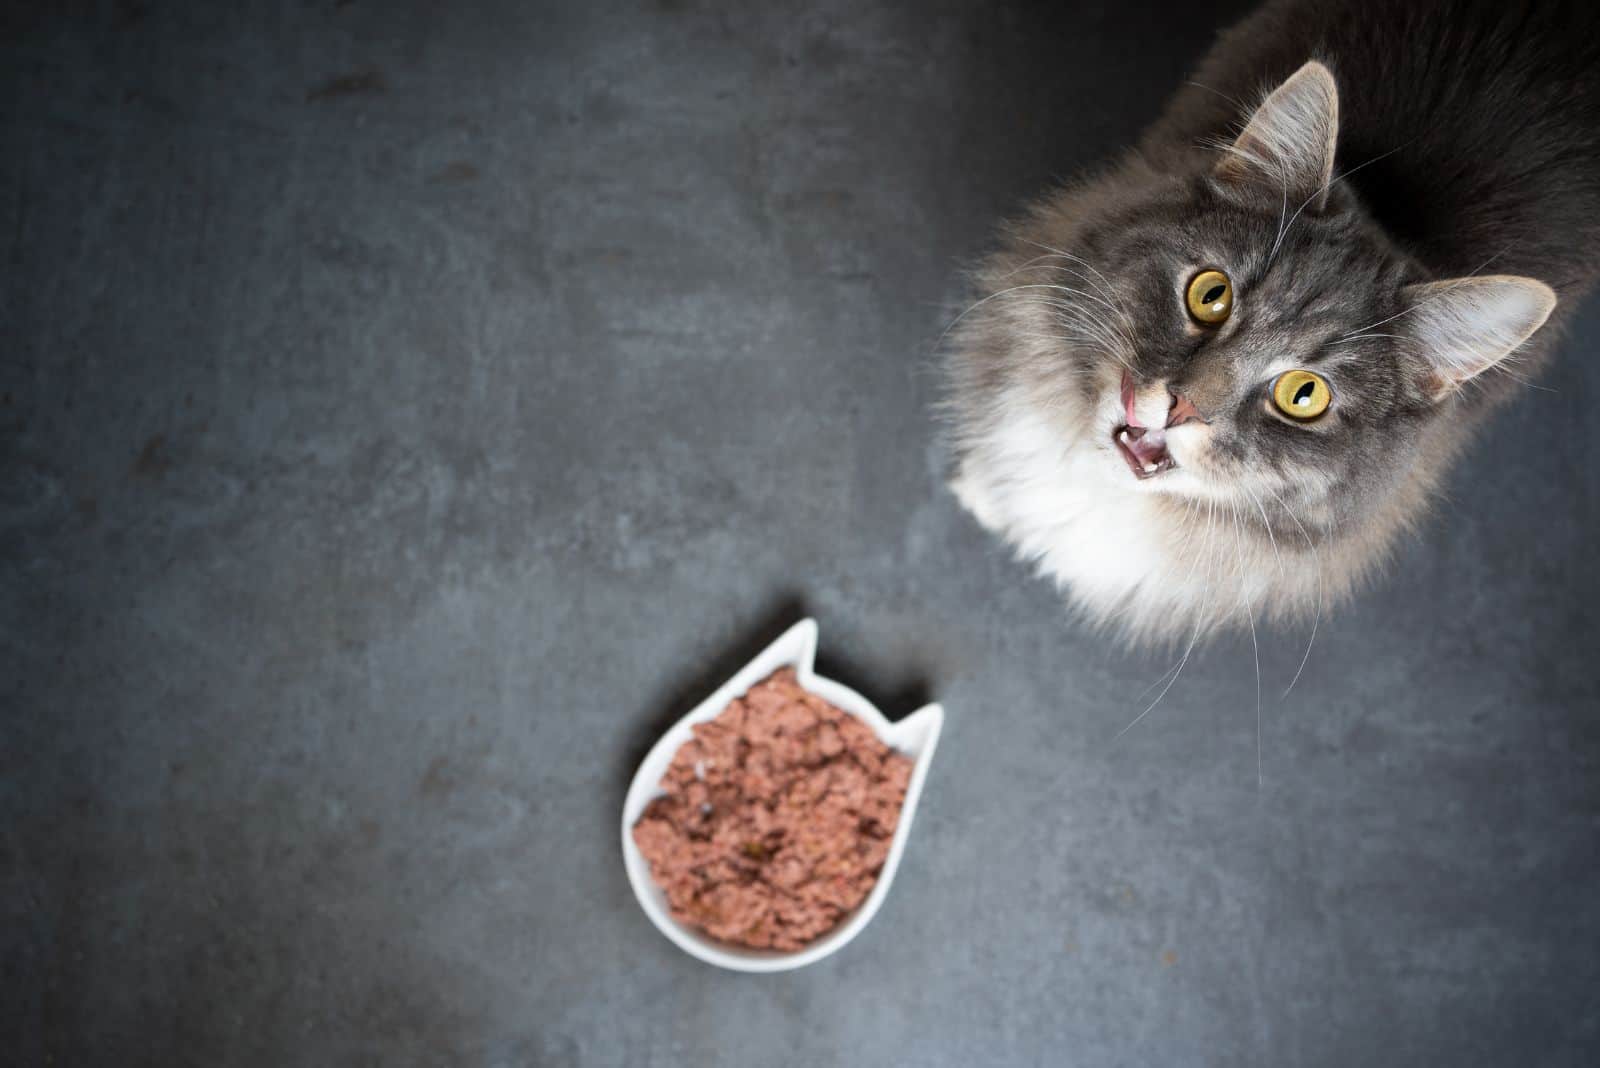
1182 411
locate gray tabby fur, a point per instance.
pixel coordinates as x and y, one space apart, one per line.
1401 216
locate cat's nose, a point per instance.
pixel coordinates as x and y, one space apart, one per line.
1182 411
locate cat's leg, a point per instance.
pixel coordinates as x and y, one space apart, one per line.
972 490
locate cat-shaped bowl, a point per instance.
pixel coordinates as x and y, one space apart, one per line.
915 736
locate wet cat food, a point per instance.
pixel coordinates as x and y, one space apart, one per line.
777 818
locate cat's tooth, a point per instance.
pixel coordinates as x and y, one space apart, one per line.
1122 436
1149 469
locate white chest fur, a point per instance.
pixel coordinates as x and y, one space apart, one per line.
1122 553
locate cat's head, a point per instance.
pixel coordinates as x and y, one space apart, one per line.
1250 333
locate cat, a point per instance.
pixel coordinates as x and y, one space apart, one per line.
1212 383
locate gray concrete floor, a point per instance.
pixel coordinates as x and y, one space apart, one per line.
410 408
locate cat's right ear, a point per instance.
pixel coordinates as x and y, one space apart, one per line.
1289 142
1464 326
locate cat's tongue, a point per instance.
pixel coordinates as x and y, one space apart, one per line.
1128 399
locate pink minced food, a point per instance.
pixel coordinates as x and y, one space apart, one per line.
777 818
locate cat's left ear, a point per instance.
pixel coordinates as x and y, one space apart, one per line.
1289 142
1465 326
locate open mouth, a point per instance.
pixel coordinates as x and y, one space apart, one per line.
1143 447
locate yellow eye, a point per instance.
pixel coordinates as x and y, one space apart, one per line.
1210 297
1301 394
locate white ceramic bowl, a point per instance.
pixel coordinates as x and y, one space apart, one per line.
915 736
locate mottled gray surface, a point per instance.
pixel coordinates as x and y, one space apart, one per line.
408 412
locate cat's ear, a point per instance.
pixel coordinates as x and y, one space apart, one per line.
1289 142
1467 325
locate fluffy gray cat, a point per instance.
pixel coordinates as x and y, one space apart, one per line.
1213 382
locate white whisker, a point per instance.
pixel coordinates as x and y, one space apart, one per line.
1317 563
1235 101
1267 523
1363 337
1283 232
1255 647
1194 637
1436 296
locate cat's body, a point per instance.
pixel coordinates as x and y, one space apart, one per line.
1470 133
